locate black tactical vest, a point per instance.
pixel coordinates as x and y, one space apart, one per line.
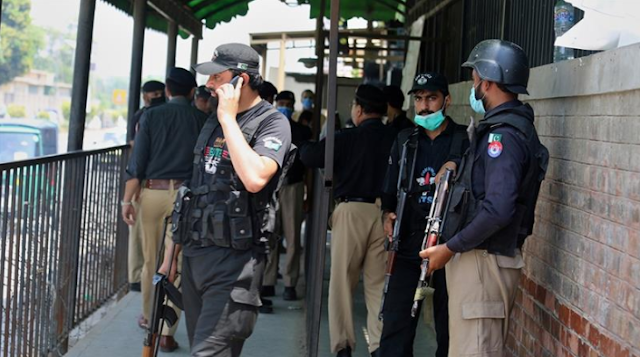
217 209
463 206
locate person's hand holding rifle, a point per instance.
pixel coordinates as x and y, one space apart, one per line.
433 231
392 220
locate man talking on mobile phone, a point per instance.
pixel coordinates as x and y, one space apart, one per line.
223 216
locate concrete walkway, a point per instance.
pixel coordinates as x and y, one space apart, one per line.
281 334
117 334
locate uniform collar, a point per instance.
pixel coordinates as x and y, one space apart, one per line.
447 131
157 101
370 121
507 105
179 100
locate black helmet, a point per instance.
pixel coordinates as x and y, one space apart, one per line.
502 62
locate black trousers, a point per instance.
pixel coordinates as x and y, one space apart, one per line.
399 328
221 301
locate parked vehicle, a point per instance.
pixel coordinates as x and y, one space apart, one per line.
22 139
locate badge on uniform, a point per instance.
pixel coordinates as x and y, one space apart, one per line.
495 145
272 143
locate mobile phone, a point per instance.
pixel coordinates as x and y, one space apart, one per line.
234 81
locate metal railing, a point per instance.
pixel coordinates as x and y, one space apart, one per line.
63 247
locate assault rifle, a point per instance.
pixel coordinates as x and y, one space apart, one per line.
160 312
432 234
402 192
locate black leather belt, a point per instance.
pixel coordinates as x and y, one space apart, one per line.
356 199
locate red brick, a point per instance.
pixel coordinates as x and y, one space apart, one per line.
518 334
521 351
573 342
607 346
531 287
546 341
565 315
583 349
594 337
541 294
527 305
577 323
518 296
550 302
555 328
564 337
557 308
545 320
624 353
537 350
511 342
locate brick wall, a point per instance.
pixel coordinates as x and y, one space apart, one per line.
580 290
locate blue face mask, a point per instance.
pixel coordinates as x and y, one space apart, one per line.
430 122
476 104
288 112
307 103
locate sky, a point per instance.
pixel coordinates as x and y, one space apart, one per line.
113 31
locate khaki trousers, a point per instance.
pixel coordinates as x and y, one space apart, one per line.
357 246
482 288
135 259
289 218
155 206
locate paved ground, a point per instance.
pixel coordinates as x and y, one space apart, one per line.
275 335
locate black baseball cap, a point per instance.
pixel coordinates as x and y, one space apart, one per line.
286 95
430 81
152 86
182 77
231 56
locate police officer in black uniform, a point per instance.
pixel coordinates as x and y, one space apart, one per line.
492 203
357 245
221 224
436 140
160 162
396 117
152 95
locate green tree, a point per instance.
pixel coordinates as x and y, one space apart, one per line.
66 110
19 40
16 111
57 53
43 115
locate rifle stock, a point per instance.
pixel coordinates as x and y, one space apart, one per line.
433 232
148 349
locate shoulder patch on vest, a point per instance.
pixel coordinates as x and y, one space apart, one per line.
495 149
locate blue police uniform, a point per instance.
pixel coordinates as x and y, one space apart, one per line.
490 215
